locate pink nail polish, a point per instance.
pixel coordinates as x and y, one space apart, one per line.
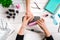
18 6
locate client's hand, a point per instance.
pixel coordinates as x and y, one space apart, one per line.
29 13
26 20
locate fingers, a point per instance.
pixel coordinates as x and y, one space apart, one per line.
25 16
30 15
40 21
29 19
27 13
40 24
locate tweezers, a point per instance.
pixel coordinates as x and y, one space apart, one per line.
36 5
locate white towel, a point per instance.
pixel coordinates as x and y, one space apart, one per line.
5 29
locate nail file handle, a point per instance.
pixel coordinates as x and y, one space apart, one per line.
31 24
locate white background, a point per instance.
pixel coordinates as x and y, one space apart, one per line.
16 23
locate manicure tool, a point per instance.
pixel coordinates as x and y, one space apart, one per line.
37 7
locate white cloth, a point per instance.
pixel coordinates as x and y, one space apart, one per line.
5 29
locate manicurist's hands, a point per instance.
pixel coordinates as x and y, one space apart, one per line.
42 25
26 19
24 24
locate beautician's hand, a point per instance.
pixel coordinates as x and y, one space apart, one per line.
24 24
26 19
42 25
28 10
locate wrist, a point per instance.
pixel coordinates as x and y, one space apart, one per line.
44 28
47 32
21 31
24 25
28 9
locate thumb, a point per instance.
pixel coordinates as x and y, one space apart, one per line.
29 19
25 17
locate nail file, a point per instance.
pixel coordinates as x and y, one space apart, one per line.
33 21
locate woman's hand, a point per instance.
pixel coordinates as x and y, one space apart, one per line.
42 25
29 13
24 24
26 19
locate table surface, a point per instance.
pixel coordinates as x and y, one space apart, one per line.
29 35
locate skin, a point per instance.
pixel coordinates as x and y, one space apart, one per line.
24 24
28 11
27 5
42 25
29 17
